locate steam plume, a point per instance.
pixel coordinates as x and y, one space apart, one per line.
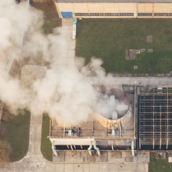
66 92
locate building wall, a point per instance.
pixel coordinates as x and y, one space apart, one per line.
116 10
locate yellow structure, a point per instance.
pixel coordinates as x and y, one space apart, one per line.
114 9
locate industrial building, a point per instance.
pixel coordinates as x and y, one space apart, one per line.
114 8
145 125
116 132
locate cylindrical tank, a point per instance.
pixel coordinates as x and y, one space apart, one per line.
117 112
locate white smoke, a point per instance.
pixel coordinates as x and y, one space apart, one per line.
66 92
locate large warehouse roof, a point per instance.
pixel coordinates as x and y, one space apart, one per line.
119 1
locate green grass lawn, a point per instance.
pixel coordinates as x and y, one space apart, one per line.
51 18
159 165
45 142
108 39
16 133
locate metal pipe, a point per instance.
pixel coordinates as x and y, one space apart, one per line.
71 147
68 146
74 146
95 147
120 129
54 151
81 147
113 131
112 147
89 149
132 148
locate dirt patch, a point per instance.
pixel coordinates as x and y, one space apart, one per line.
2 131
135 67
7 116
126 55
149 39
160 155
30 73
51 18
150 50
131 54
142 50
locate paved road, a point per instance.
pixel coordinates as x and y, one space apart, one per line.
145 81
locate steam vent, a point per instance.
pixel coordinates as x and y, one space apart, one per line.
112 129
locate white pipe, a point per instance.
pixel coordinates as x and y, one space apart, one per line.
112 147
68 146
74 146
71 147
132 148
95 147
89 149
54 151
81 147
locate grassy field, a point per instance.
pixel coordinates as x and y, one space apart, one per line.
16 134
45 142
159 165
108 39
51 18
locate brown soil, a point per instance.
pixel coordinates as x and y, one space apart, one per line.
2 131
150 39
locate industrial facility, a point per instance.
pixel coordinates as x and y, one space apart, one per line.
114 9
115 131
144 125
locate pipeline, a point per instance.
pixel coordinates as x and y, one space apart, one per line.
112 147
71 147
113 131
95 147
132 147
89 149
54 151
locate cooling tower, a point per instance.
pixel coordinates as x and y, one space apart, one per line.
118 108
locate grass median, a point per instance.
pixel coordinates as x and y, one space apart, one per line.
45 142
